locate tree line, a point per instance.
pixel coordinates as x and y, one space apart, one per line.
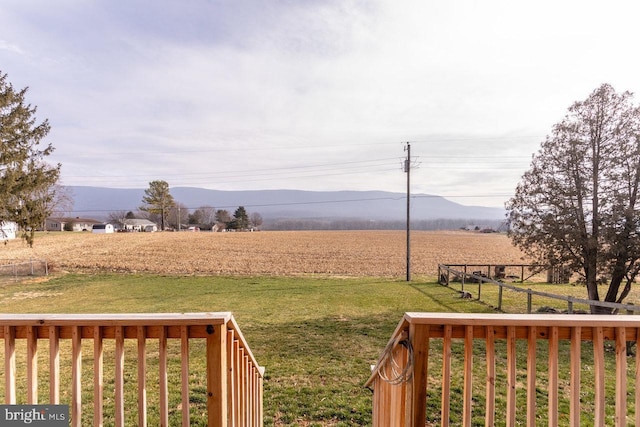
159 206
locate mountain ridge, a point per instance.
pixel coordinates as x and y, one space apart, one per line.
287 204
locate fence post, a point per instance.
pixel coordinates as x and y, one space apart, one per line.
500 298
570 305
529 296
479 289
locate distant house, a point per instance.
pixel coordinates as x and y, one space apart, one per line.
8 230
73 224
139 225
103 228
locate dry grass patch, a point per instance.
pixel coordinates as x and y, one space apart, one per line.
348 253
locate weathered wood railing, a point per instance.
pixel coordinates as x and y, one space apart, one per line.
571 347
233 378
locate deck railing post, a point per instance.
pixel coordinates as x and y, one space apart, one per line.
416 390
217 375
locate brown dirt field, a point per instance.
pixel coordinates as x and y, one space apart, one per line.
348 253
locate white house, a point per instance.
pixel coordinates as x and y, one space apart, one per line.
76 224
139 225
102 228
8 230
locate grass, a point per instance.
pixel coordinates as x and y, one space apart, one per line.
317 337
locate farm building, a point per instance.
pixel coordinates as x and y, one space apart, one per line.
71 224
103 228
139 225
8 230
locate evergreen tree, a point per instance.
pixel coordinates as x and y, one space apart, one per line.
579 204
241 219
27 182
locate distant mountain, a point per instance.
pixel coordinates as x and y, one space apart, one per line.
98 202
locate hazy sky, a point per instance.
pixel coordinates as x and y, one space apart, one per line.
312 94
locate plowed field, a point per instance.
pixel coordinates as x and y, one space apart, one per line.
348 253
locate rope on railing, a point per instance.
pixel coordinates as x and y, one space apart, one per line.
399 373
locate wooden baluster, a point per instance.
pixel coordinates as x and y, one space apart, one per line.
490 404
576 359
598 371
164 382
511 376
54 365
445 404
553 376
98 378
231 368
32 365
621 377
141 334
532 345
76 376
10 365
184 361
119 377
468 376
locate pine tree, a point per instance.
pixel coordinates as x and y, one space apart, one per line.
27 181
158 200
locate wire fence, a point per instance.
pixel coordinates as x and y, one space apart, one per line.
491 288
15 269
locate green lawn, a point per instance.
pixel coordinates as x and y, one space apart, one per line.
317 337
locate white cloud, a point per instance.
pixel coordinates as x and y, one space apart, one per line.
213 93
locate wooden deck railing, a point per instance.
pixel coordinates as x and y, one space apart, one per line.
232 391
567 369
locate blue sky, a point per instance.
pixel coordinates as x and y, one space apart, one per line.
316 95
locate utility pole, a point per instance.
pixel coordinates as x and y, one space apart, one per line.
407 170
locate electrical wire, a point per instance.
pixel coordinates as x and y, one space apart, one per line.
399 374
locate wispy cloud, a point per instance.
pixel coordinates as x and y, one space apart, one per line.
11 48
213 93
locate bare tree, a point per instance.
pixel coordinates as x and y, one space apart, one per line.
205 216
118 217
578 204
255 219
62 201
178 215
